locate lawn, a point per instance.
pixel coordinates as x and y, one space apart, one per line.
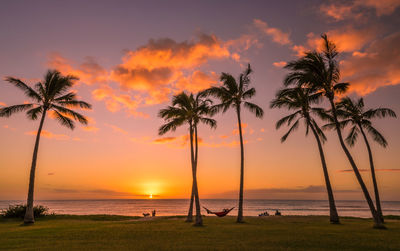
172 233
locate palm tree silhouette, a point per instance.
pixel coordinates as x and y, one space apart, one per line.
233 94
320 71
353 113
299 100
187 109
51 94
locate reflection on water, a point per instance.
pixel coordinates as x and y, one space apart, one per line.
179 206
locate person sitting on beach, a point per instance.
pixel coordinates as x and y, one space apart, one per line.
264 214
146 214
277 213
153 213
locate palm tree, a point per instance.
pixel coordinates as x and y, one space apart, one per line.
320 71
51 94
353 113
233 94
299 101
188 109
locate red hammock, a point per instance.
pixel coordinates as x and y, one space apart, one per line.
219 214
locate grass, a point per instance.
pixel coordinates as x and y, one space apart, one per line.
110 232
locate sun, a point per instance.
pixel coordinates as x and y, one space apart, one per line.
150 196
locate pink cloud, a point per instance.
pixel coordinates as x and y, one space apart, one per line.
279 64
49 135
276 34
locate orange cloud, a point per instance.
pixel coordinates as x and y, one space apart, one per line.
89 72
2 104
277 35
372 70
156 67
335 11
358 8
279 64
149 74
198 81
90 128
49 135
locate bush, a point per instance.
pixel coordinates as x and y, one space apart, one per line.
18 211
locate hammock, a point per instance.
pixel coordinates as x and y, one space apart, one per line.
219 214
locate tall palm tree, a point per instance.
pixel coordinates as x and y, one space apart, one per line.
202 105
353 113
186 109
234 94
50 95
320 71
299 100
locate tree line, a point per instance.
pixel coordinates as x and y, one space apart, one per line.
312 78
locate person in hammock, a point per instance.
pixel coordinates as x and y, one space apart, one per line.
223 213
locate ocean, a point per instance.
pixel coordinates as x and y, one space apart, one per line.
166 207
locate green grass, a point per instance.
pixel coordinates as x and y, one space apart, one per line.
108 232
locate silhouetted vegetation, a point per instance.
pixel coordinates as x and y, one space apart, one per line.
299 101
234 94
18 211
191 110
50 95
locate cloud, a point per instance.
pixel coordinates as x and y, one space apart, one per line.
8 127
279 64
97 192
151 73
90 128
368 170
117 129
196 82
347 39
50 174
49 135
277 193
2 104
368 70
358 8
276 34
89 72
156 66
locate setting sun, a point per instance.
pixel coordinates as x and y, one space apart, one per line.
150 196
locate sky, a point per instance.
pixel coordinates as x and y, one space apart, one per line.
132 56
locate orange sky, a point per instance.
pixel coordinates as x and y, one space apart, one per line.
130 62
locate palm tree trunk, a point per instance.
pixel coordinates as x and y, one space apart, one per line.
29 216
189 217
240 208
333 215
199 221
371 163
377 220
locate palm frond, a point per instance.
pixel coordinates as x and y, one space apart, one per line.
258 111
10 110
75 104
353 135
34 112
63 120
171 126
208 121
380 113
294 127
25 88
376 135
68 112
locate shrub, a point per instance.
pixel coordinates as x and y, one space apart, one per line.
18 211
